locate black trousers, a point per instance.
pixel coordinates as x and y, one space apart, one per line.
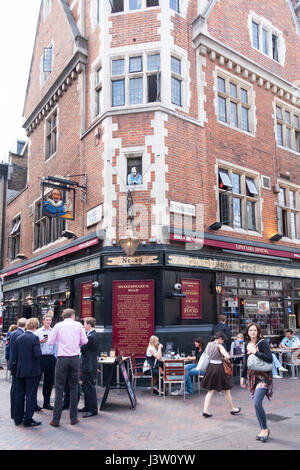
89 389
13 395
48 363
67 369
26 391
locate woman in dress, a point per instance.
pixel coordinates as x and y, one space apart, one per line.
153 356
260 384
215 378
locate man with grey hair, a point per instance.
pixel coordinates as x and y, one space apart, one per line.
69 335
12 363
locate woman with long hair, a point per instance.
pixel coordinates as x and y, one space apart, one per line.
152 362
215 378
260 384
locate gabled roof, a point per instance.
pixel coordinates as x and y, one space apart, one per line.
73 28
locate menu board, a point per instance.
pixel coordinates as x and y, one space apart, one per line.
191 304
132 316
86 306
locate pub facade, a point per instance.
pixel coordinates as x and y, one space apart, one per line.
146 119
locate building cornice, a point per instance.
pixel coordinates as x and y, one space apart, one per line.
245 67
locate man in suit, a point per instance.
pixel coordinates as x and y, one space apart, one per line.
12 362
28 355
89 368
221 326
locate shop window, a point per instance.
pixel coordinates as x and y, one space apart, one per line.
260 306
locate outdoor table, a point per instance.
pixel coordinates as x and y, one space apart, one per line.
164 358
110 361
280 352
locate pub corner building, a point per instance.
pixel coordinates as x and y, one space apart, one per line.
146 107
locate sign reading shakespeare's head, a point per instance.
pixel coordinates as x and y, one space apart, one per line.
59 201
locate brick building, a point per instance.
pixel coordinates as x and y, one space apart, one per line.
203 99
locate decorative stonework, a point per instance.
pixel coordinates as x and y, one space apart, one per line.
65 80
251 71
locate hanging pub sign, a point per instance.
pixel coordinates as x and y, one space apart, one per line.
58 200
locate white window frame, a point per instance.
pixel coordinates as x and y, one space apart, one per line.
288 209
98 74
295 140
266 25
243 196
127 9
127 76
240 84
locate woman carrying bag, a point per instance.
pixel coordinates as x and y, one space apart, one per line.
257 368
215 378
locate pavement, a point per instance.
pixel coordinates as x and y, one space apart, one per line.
169 424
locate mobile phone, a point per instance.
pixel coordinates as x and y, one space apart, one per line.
45 336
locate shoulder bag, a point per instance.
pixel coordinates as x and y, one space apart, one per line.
203 361
255 363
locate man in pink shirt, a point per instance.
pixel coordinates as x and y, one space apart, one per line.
69 336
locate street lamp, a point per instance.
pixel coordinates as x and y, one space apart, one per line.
129 241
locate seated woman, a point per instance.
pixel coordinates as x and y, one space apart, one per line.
238 348
190 369
153 356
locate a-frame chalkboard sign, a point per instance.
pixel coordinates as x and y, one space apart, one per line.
119 362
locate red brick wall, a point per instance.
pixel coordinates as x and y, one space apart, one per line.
228 23
54 28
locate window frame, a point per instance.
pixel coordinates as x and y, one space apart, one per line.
146 74
285 209
230 195
227 98
176 78
267 33
51 135
281 123
46 229
15 237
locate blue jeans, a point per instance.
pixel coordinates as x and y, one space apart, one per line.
276 364
258 397
190 369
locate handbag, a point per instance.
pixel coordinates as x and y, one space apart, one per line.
255 363
228 369
203 362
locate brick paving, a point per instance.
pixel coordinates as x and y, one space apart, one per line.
159 424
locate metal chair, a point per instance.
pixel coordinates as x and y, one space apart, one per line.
173 373
136 371
200 377
293 362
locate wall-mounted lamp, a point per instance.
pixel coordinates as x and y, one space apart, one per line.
176 292
68 234
129 241
68 293
215 226
29 299
218 289
21 256
276 237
